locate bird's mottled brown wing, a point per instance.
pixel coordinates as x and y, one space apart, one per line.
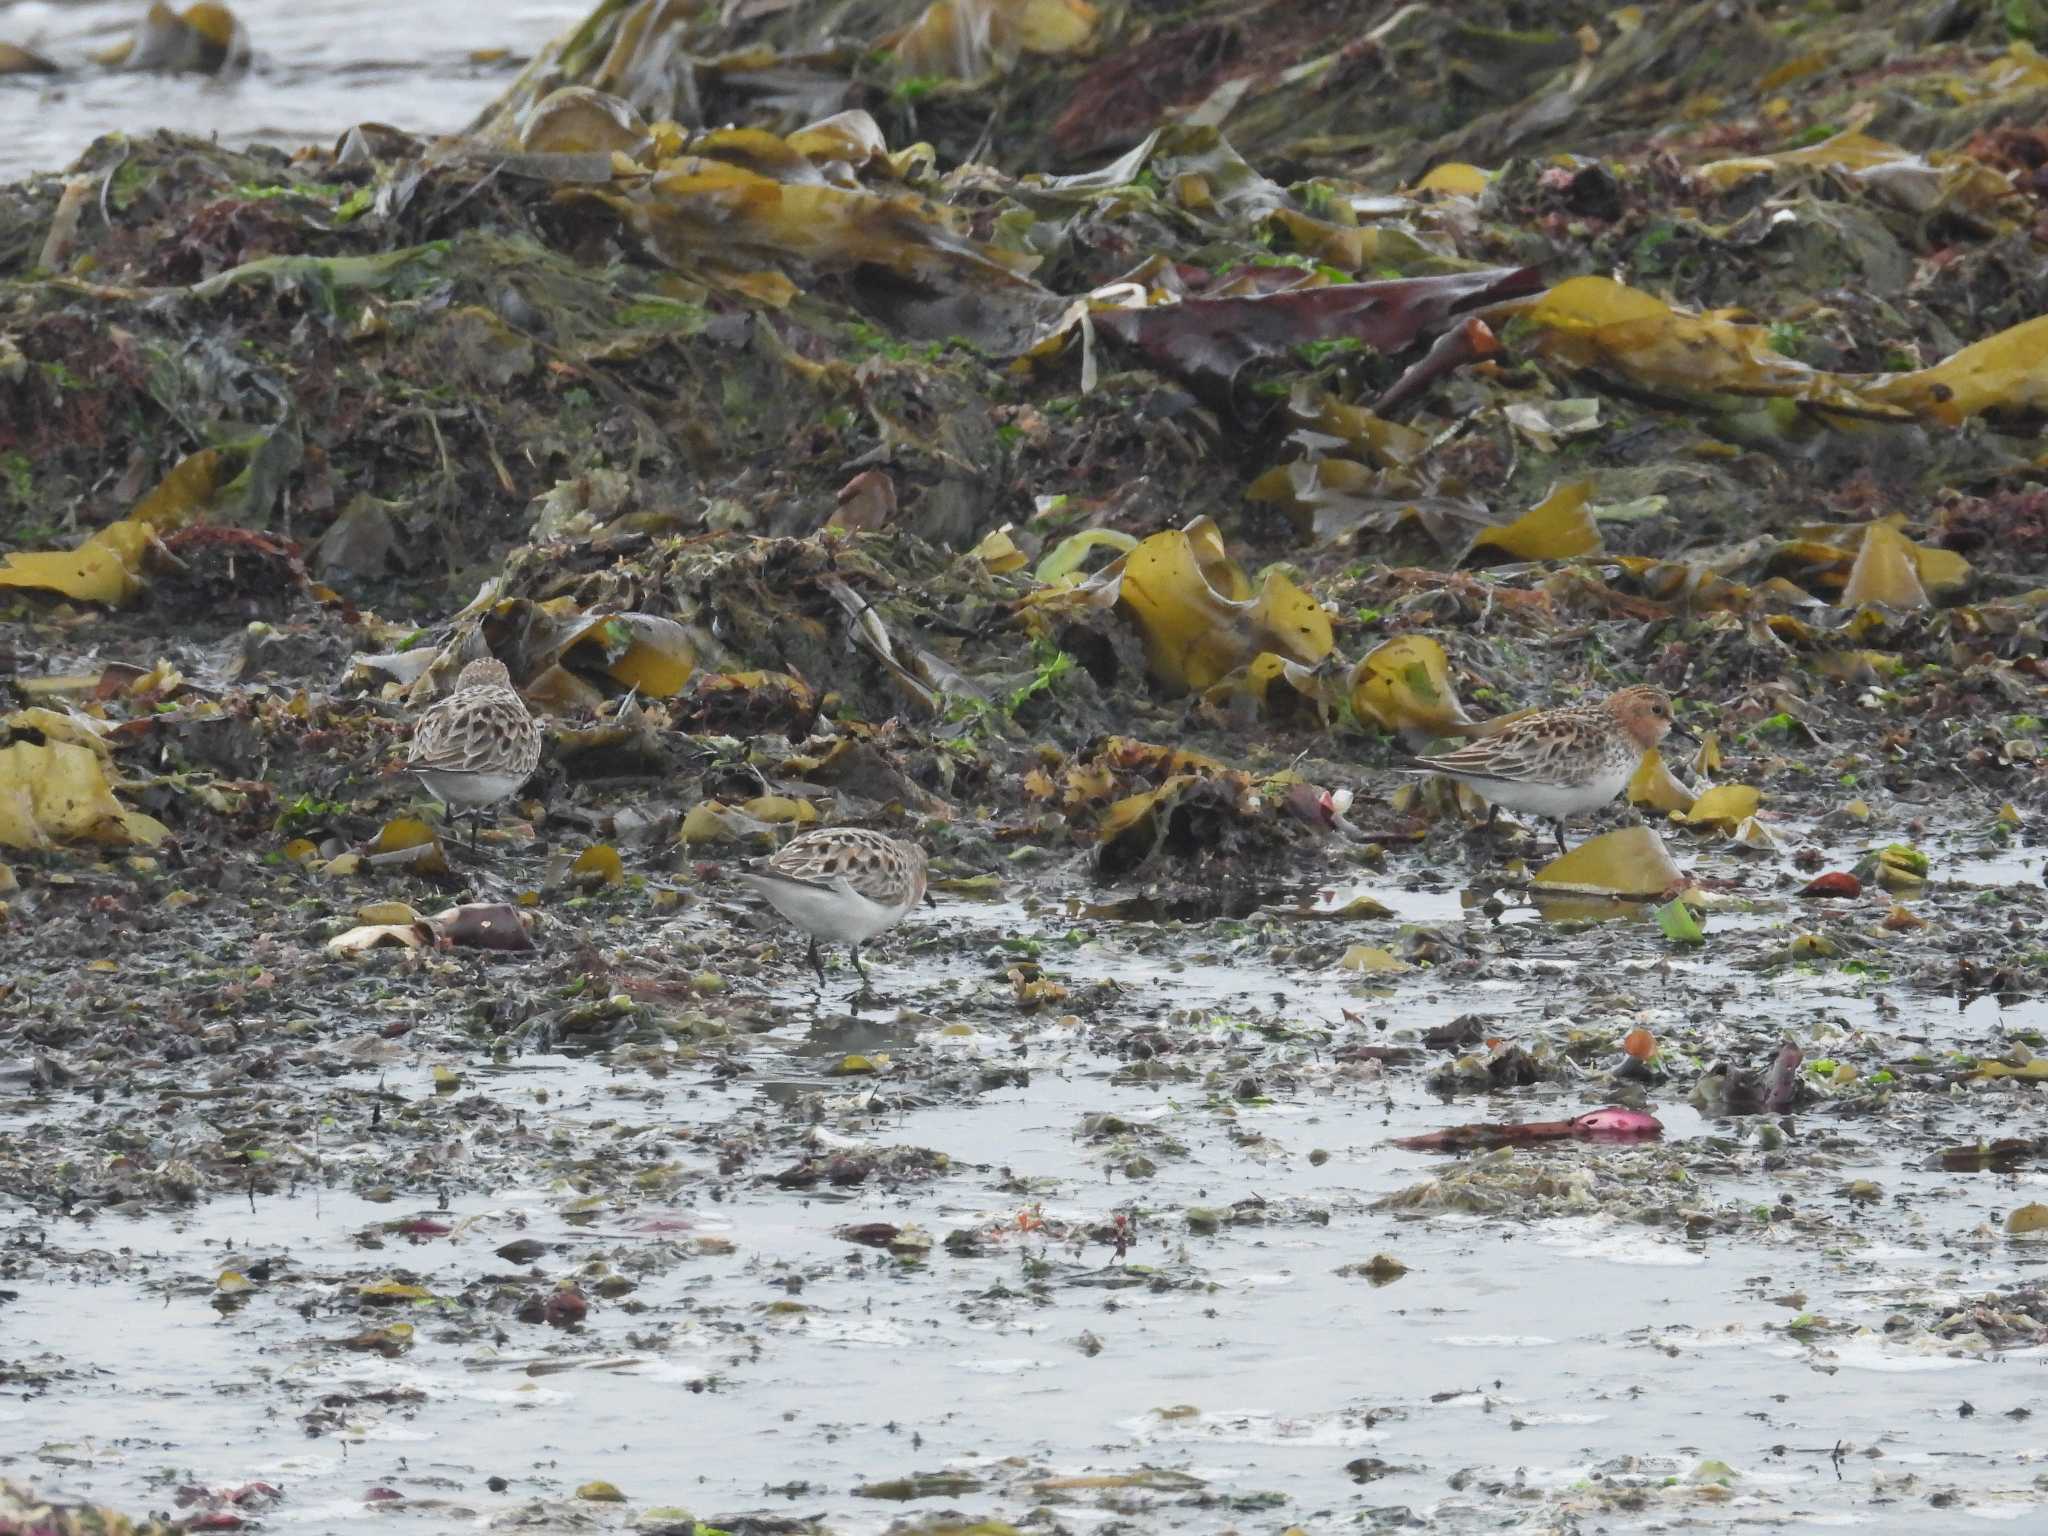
1531 750
476 730
878 866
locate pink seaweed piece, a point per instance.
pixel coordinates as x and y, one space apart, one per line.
1615 1123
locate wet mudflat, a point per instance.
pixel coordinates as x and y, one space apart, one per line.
1690 1329
1109 490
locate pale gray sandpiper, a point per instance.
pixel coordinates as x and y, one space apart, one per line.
478 745
841 885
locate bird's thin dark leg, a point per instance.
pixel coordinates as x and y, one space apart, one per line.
867 988
1558 828
817 961
475 816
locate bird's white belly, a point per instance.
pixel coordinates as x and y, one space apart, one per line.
835 914
1556 802
462 788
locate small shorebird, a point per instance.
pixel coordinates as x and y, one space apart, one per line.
478 745
1562 762
843 885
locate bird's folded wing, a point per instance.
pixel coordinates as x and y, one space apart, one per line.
442 760
1444 763
1484 759
768 874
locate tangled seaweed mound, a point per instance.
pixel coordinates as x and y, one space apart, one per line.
628 349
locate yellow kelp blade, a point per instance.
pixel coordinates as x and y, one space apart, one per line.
57 792
973 39
734 216
1654 785
410 843
999 552
1725 805
1388 443
1629 863
1556 528
1903 177
1455 179
1205 541
1941 570
1372 961
1404 684
105 568
2006 371
92 573
1822 546
1061 563
577 120
1191 606
1254 681
599 864
1193 633
1128 812
57 725
1595 322
1886 571
646 651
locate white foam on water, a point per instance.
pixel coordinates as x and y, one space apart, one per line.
1729 1336
393 1434
865 1332
1599 1237
1259 1427
1016 1365
1878 1354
